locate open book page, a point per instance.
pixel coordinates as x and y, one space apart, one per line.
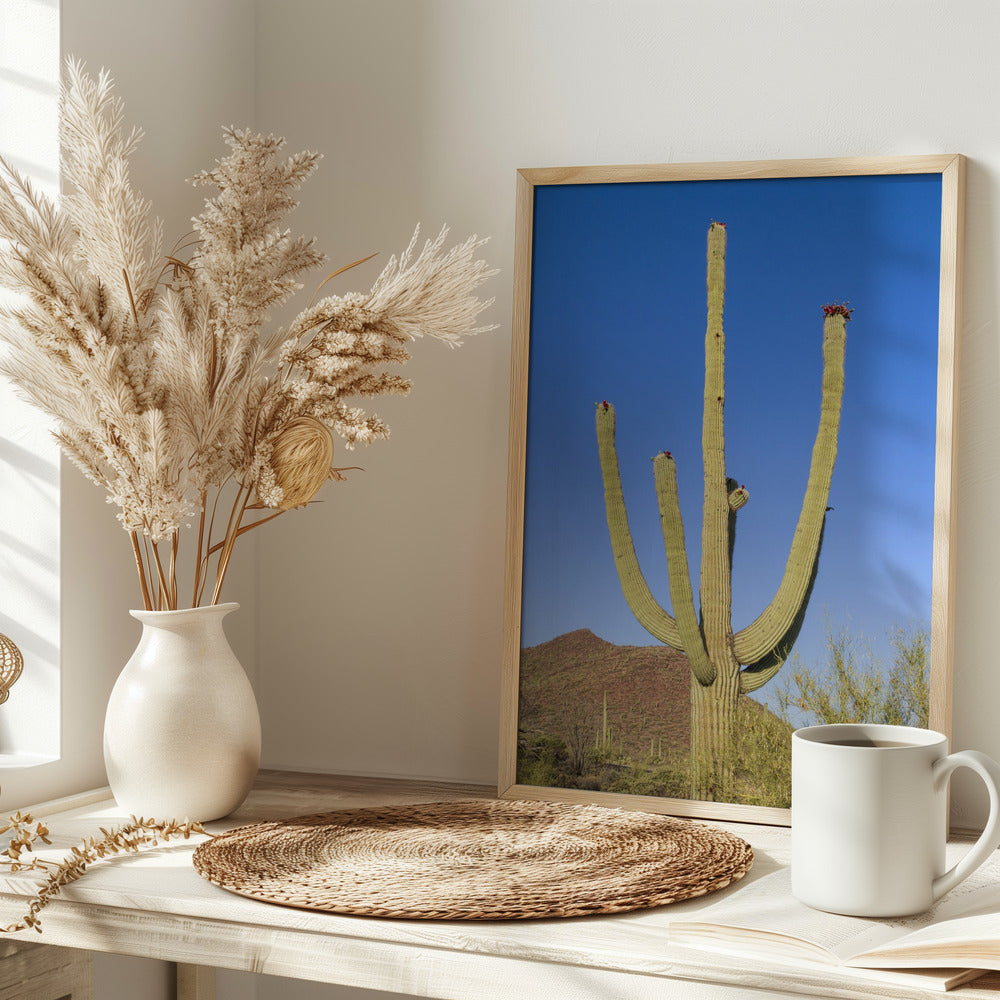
781 925
972 941
964 925
768 913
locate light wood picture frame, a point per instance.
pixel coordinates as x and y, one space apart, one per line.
840 592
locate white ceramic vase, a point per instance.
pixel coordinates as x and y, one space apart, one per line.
182 731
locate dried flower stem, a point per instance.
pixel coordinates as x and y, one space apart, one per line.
141 569
149 566
246 527
232 533
174 543
211 525
162 587
340 271
131 297
201 539
126 839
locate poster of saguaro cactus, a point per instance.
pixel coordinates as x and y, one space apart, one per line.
768 347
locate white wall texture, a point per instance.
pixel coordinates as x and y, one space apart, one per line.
30 576
381 612
378 613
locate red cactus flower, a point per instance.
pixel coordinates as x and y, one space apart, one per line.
837 309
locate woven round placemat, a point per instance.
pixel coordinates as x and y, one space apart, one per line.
475 860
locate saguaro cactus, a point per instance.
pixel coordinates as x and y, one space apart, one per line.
724 664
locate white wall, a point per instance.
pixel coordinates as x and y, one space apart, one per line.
30 572
381 608
380 611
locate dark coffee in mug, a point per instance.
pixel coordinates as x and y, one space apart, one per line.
862 742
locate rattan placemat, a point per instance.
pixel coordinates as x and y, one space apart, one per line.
475 860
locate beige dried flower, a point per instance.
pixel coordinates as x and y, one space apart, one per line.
164 387
301 460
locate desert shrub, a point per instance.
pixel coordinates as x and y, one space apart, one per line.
762 766
542 759
855 685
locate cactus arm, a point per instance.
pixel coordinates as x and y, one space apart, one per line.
653 618
762 637
756 675
738 498
681 596
716 572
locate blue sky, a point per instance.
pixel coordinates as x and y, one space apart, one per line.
618 313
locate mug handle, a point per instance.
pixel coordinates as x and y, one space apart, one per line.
989 839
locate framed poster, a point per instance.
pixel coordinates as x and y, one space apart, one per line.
731 472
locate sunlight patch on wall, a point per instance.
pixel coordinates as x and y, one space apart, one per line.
29 458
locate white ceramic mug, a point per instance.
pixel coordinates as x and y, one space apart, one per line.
869 818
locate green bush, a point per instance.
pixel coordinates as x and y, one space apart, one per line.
762 767
541 759
853 685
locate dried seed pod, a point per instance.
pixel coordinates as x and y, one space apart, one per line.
11 664
301 459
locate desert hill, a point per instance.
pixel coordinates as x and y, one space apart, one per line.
563 684
603 717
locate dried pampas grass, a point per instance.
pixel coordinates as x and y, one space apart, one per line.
163 388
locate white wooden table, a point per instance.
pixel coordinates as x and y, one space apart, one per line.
156 905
